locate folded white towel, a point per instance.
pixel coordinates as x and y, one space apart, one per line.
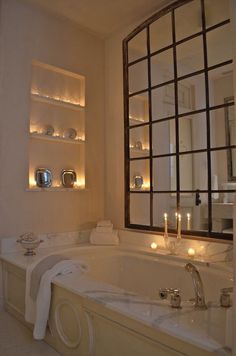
37 312
104 223
104 238
104 228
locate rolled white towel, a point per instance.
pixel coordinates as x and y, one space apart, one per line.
104 238
104 228
104 223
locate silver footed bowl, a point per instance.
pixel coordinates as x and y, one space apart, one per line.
29 242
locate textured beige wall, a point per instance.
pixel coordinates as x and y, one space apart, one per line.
28 33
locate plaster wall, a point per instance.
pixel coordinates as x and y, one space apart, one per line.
28 33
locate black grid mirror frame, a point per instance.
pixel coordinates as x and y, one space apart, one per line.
150 156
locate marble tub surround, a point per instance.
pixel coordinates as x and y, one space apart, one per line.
127 282
204 250
49 240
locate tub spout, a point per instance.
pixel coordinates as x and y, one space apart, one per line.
197 285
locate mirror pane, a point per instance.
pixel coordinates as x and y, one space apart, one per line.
188 19
164 173
191 94
190 56
137 46
162 67
138 76
164 203
138 109
223 169
222 212
219 45
220 84
192 132
194 211
161 33
223 127
139 141
140 209
193 171
163 137
216 13
163 100
139 175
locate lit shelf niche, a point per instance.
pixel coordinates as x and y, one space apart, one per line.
57 101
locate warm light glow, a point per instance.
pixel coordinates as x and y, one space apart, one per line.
80 183
153 245
179 217
191 252
61 99
165 216
32 182
188 216
146 185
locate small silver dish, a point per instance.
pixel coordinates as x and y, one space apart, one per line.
43 177
68 178
70 133
29 241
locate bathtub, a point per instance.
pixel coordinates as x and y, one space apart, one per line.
114 307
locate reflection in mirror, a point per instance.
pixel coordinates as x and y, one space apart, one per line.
222 170
193 171
162 67
190 56
164 203
188 19
163 137
139 169
137 47
217 13
164 173
163 102
194 211
138 76
221 84
222 212
191 94
140 209
192 132
185 119
219 46
230 126
139 142
138 109
161 33
218 128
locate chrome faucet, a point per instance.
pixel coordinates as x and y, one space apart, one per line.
197 285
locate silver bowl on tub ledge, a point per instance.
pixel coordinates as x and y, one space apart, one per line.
29 241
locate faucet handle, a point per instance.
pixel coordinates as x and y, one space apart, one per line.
175 298
225 300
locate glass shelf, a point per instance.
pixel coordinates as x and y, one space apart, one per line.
45 99
39 136
55 189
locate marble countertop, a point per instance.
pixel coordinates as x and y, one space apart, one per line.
200 328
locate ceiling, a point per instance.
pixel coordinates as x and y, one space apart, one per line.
102 17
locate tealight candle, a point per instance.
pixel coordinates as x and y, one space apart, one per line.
153 245
191 252
188 221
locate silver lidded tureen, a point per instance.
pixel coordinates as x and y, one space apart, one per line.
29 241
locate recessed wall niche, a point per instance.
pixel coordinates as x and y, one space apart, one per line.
56 125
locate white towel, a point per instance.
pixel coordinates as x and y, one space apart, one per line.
104 228
37 313
104 238
104 223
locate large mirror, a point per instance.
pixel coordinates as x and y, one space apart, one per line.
180 138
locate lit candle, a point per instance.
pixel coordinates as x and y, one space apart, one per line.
166 223
191 252
153 245
179 227
188 221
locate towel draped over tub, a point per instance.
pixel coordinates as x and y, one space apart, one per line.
39 276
